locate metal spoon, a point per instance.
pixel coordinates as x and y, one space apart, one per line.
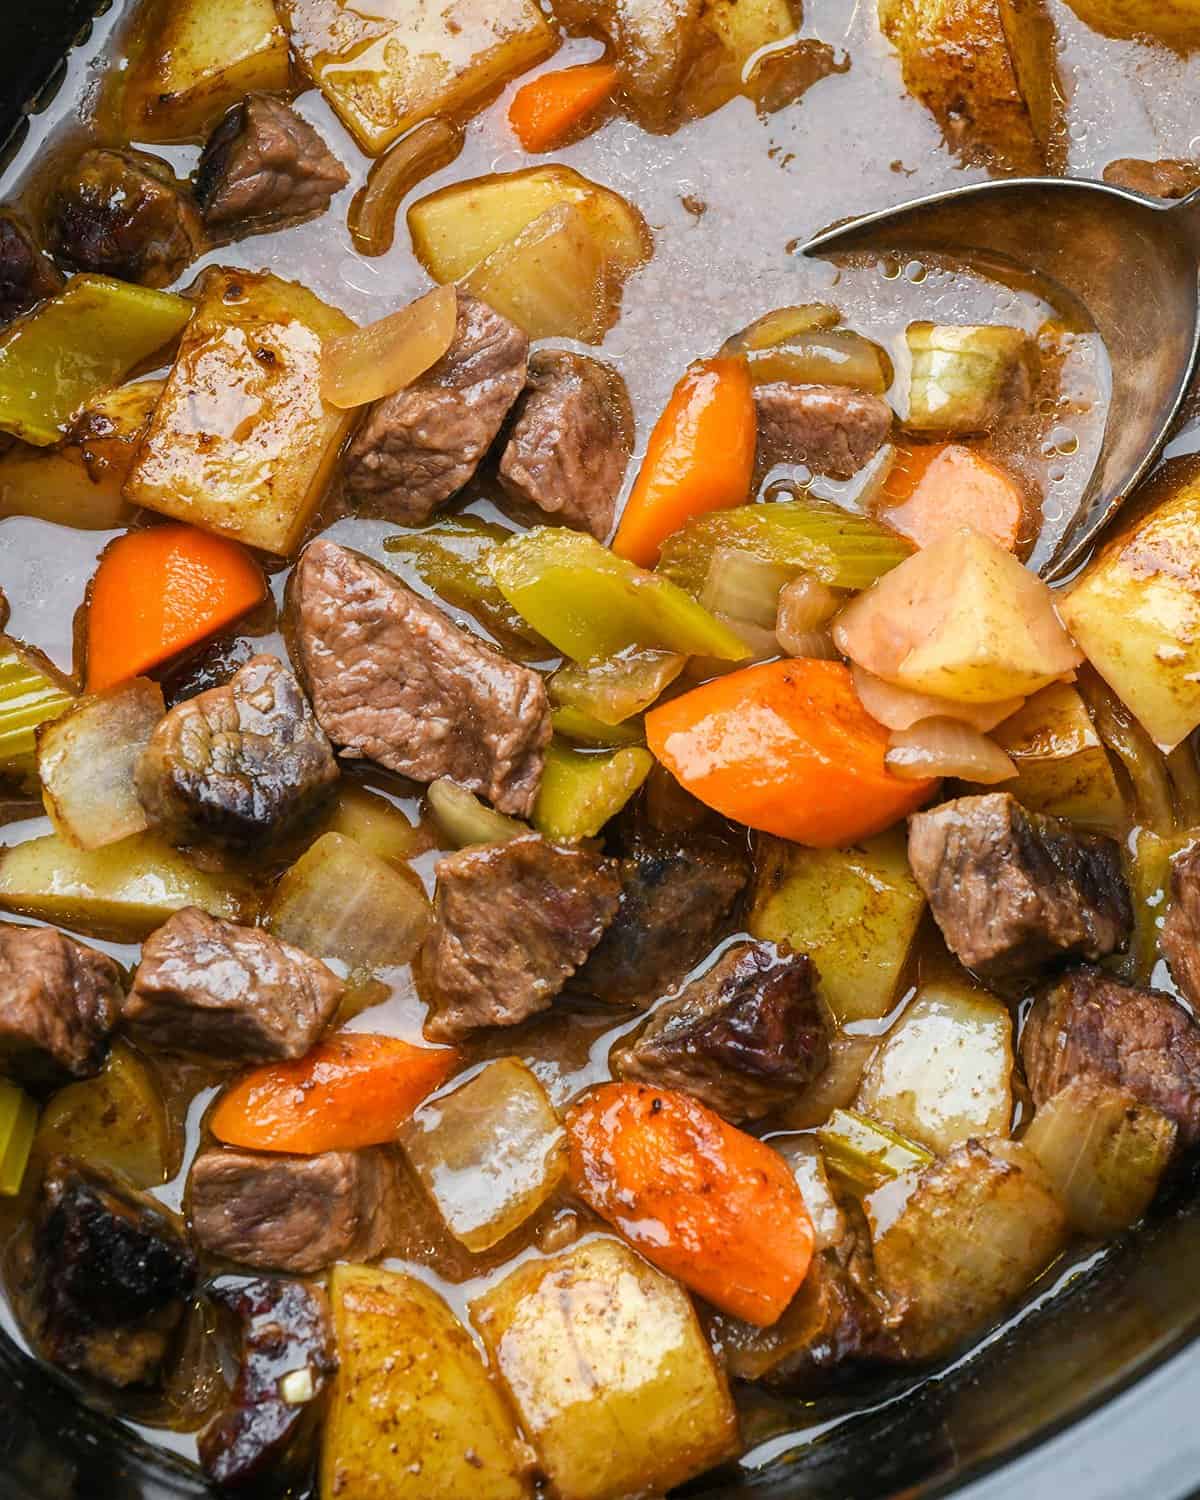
1131 262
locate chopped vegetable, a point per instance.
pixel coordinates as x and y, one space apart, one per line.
898 708
935 488
616 688
489 1153
18 1125
781 325
354 1090
465 820
606 1365
837 1087
554 106
160 590
589 603
383 357
865 1154
1144 763
581 729
786 748
31 694
118 1119
699 1199
803 1154
803 609
1176 22
700 458
374 823
966 378
816 356
427 148
947 748
580 792
1148 871
412 1413
746 588
88 338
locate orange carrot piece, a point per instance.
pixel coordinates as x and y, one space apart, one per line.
701 1200
545 111
937 488
159 591
700 457
353 1090
786 747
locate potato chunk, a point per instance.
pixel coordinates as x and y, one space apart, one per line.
1173 21
241 442
609 1372
385 67
117 1119
413 1413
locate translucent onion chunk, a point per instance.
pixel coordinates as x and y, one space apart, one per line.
427 148
385 356
946 747
465 820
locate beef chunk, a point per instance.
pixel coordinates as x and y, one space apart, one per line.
571 440
59 1000
237 763
743 1038
123 213
112 1276
1170 178
26 275
420 446
1093 1026
205 985
284 1330
678 896
1012 890
293 1213
833 429
263 167
513 923
393 679
1181 930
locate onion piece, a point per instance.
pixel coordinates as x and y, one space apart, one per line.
387 355
897 708
464 819
782 323
946 747
805 607
744 587
1153 791
428 147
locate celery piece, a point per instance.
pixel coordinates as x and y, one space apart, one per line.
30 694
589 603
18 1125
464 819
966 377
574 724
88 338
616 688
579 793
844 550
866 1154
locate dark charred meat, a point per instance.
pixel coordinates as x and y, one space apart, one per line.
211 987
26 274
1012 890
284 1334
832 429
744 1038
123 213
420 446
264 167
1093 1026
570 441
512 923
1170 178
237 763
293 1213
393 679
1181 931
59 1001
112 1276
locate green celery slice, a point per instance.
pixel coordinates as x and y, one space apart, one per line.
580 793
29 696
866 1154
18 1126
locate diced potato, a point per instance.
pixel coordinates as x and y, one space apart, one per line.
123 891
241 441
732 35
864 1154
1173 21
1135 611
32 693
413 1413
489 1153
110 427
118 1119
609 1372
944 1071
551 279
384 68
372 821
855 912
985 69
194 58
86 762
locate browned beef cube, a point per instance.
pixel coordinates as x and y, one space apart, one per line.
123 213
513 923
833 429
420 446
26 275
1181 930
1093 1026
111 1276
209 986
570 441
1012 890
1170 178
284 1330
264 167
678 896
59 1000
393 679
744 1037
239 763
293 1213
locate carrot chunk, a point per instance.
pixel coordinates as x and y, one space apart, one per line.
786 747
550 107
354 1090
937 488
701 1200
700 457
159 591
